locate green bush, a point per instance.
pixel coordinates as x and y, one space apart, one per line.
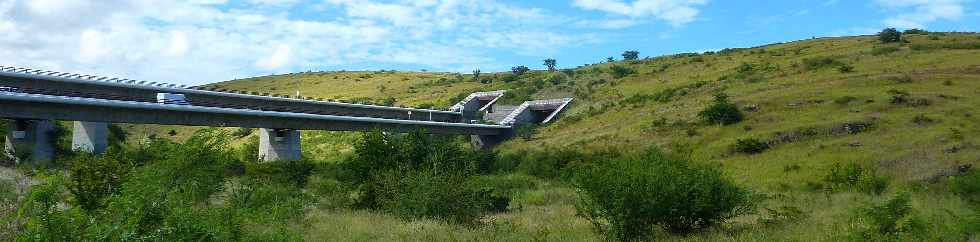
45 220
854 177
889 35
620 71
94 178
812 64
844 100
893 218
750 146
428 193
884 50
415 175
526 131
721 111
968 187
627 198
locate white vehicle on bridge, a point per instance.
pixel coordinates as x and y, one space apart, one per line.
172 98
9 89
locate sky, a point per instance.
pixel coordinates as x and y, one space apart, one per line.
201 41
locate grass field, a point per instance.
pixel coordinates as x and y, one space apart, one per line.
907 110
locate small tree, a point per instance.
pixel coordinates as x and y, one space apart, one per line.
890 35
631 55
722 111
551 64
610 59
476 75
627 199
519 70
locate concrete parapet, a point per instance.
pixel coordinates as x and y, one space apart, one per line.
91 137
279 144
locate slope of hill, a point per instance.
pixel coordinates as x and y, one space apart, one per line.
905 110
798 96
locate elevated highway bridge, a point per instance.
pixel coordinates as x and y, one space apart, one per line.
34 99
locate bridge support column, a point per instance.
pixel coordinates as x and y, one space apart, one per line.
91 137
30 137
482 142
279 144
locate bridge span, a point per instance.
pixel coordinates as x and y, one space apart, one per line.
34 99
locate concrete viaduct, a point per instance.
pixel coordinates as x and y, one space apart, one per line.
35 98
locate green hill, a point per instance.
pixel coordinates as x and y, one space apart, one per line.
797 95
907 111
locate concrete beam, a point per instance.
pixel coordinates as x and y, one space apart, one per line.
29 106
30 137
41 84
279 144
91 137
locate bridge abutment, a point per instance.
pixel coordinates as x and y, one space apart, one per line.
30 139
91 137
279 144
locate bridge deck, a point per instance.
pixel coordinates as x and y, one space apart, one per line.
38 106
64 84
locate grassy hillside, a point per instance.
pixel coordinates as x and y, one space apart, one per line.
907 111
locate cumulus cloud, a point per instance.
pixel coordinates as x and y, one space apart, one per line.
676 12
919 13
200 41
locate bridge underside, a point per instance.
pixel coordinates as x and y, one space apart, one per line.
280 142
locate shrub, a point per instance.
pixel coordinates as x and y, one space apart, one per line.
549 162
674 194
889 35
915 31
631 55
812 64
508 78
44 219
844 100
93 179
750 146
884 50
968 187
721 111
782 214
415 175
845 68
853 176
526 131
551 64
893 218
620 71
429 193
242 132
519 70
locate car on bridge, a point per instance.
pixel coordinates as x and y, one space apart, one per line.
9 89
172 98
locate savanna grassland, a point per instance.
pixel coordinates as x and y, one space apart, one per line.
837 139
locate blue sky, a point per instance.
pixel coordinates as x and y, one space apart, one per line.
200 41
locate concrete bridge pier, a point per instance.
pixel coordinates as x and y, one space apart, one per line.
279 144
30 137
91 137
483 142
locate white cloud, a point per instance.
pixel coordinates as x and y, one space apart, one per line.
199 41
280 57
607 23
919 13
676 12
